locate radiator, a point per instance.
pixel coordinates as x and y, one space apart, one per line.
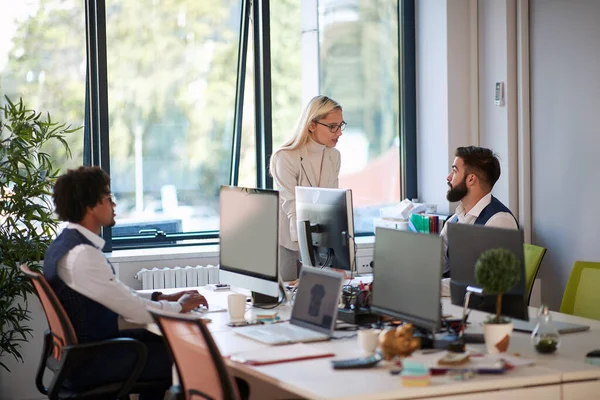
178 277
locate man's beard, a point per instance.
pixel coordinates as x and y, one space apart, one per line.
458 192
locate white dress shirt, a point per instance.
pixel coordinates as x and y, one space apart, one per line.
313 165
86 270
499 220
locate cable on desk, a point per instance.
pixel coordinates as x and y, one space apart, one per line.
280 300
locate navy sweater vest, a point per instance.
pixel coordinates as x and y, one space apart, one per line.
91 320
488 212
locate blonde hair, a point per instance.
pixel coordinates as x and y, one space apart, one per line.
317 108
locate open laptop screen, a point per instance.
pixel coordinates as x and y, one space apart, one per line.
317 297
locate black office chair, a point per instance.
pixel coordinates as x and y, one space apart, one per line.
63 355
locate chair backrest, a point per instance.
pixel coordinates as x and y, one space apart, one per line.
581 295
59 323
201 368
533 259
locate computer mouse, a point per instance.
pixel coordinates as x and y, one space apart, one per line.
593 357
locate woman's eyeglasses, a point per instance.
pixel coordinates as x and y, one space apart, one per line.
333 128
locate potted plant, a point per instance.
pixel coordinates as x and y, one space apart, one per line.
27 224
496 272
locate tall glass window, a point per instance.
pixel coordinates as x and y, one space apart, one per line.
358 42
43 61
172 69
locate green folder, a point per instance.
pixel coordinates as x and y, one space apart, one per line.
420 222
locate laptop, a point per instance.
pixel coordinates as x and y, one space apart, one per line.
563 327
313 314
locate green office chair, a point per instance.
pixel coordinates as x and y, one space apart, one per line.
533 259
581 295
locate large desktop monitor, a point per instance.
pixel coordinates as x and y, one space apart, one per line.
326 227
465 245
249 246
406 277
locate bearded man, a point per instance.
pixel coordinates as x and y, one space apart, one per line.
474 172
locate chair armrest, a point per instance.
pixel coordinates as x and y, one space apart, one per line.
77 356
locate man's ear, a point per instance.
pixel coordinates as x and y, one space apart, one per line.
90 209
472 180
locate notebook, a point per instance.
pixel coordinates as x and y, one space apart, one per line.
563 327
313 314
274 355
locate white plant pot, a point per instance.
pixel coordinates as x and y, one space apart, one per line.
497 337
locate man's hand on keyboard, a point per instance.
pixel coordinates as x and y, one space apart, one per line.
176 296
189 301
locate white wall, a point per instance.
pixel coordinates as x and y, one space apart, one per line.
19 384
443 32
565 109
497 63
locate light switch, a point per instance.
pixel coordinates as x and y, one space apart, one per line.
499 95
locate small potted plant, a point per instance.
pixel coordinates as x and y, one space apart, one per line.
496 272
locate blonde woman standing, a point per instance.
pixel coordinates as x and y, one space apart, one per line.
308 158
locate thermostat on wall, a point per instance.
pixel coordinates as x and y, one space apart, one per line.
499 96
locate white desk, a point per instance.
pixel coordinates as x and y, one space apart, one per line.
560 376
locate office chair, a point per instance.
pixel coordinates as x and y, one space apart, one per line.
581 296
191 345
533 259
62 354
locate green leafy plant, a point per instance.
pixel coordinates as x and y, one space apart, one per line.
497 271
27 224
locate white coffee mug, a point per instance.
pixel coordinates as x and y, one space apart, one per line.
368 339
236 305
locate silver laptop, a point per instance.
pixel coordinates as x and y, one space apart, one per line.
563 327
313 314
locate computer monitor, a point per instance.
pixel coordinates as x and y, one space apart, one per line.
249 247
465 245
406 277
325 227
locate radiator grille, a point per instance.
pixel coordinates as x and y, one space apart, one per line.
178 277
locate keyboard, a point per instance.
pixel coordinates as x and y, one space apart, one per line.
293 332
211 309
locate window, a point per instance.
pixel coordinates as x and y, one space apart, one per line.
162 80
358 57
43 61
171 99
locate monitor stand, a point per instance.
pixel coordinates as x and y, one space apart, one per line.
359 316
263 300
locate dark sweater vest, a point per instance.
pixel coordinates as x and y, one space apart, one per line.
488 212
91 320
